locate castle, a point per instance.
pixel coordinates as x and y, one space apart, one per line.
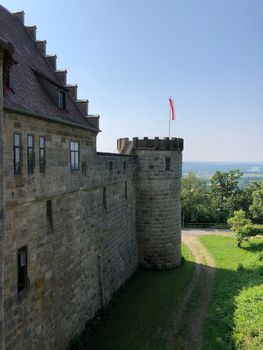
74 223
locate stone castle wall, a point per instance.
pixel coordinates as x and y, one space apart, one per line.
158 210
1 205
75 267
115 208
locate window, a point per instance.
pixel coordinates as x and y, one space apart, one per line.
104 199
30 154
74 155
62 101
6 74
49 215
84 168
167 163
22 269
126 190
42 154
17 154
110 166
124 165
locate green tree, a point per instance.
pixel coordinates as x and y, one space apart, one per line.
245 198
238 222
196 199
256 208
225 193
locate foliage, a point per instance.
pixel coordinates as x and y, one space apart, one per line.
238 270
225 193
248 319
238 220
215 200
243 227
196 201
256 208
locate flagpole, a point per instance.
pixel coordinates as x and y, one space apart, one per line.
169 121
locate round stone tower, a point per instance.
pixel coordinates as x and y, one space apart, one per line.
158 199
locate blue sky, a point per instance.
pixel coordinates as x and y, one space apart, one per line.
129 56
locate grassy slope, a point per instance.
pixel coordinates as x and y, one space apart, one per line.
142 313
234 314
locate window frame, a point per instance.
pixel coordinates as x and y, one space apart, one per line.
74 152
30 163
22 270
168 163
17 170
104 198
62 99
42 163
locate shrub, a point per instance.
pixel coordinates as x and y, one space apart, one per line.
246 231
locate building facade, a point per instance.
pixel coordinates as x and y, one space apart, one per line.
74 223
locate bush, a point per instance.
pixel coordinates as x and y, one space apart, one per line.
246 231
238 220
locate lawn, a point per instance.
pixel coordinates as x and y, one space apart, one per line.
142 313
235 316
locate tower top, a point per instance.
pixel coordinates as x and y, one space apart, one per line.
124 145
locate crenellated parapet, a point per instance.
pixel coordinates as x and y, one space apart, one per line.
156 143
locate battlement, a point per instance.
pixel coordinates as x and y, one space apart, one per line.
124 145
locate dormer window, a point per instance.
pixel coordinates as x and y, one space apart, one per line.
6 72
6 76
62 99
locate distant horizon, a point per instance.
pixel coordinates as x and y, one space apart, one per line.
224 161
208 56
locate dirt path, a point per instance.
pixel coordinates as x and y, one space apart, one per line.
193 309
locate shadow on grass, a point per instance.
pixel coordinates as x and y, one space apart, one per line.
141 315
253 247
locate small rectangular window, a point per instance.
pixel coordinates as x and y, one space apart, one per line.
6 73
62 100
49 215
104 199
17 154
167 163
124 165
126 190
74 155
110 166
42 154
22 269
84 168
30 154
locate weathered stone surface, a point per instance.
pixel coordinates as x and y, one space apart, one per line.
113 210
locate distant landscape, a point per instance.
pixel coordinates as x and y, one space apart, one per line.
252 171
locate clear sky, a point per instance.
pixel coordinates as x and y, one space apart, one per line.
129 56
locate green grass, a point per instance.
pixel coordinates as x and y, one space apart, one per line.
235 314
142 313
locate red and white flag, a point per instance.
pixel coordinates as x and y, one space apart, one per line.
172 108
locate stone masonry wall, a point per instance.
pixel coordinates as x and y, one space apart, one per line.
75 267
158 209
1 205
158 199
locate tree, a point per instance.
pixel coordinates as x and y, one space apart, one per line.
256 208
196 199
245 198
237 222
225 193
